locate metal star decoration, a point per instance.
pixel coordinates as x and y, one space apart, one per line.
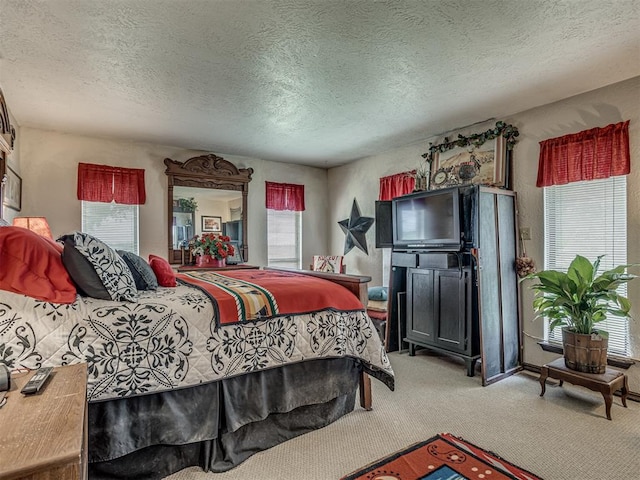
355 227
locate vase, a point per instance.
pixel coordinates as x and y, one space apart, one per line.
420 184
210 261
218 262
204 260
585 353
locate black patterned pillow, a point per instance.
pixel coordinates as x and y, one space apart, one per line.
142 273
111 270
81 271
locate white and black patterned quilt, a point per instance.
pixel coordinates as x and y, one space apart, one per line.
168 340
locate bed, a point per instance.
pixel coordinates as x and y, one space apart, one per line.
207 372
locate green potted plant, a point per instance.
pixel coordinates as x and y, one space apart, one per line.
188 204
577 300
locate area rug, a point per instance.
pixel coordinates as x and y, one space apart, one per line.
443 457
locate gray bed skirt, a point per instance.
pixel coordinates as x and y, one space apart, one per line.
218 425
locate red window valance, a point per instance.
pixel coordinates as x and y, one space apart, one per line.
103 183
285 196
588 155
396 185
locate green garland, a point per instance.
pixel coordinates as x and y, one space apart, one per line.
509 132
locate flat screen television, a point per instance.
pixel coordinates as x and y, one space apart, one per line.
427 220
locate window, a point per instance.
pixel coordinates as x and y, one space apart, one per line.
588 218
113 223
284 229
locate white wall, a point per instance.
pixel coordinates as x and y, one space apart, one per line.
601 107
49 161
598 108
360 180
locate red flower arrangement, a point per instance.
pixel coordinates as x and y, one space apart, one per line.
217 246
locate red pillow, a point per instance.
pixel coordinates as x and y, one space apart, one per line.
31 265
164 273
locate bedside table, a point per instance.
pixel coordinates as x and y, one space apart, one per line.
44 436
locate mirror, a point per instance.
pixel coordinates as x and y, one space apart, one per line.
206 194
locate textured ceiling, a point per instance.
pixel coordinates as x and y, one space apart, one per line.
319 82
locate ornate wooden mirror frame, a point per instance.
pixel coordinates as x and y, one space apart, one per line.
206 171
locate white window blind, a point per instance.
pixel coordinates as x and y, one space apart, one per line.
589 219
283 238
113 223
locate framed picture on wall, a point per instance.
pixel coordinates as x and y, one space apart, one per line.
471 165
211 224
12 190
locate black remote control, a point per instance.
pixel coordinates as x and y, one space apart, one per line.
37 381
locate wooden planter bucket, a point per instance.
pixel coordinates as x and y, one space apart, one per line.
585 353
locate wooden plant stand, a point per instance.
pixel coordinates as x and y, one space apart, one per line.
605 383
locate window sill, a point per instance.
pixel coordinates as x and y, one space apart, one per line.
612 360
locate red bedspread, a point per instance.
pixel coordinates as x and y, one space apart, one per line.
242 295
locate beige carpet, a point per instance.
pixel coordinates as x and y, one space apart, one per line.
561 436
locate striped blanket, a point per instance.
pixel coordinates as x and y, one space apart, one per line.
248 295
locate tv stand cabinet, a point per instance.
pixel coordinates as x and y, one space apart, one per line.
469 361
440 313
470 310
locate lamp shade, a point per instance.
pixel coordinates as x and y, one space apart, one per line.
38 225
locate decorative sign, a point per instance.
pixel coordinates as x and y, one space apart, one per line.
483 165
472 159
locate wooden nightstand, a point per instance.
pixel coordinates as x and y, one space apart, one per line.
44 436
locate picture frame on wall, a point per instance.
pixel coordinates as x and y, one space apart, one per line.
211 224
12 190
484 164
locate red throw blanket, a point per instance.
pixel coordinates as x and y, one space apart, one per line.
242 295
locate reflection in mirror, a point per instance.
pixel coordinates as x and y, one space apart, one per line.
206 194
201 210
